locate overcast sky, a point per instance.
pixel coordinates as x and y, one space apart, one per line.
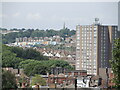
51 15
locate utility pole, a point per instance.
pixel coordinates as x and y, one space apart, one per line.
107 77
75 83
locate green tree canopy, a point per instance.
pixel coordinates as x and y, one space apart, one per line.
10 37
32 67
115 62
9 59
8 80
37 79
12 56
28 53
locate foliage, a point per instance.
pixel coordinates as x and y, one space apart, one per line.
37 79
12 56
33 63
28 53
9 59
25 62
3 29
8 80
10 37
29 67
38 33
59 63
115 62
32 67
66 33
22 79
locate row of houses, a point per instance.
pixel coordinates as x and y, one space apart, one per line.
32 39
59 55
53 38
44 40
27 44
70 79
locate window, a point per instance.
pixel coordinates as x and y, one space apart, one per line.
78 43
78 63
78 35
78 38
78 47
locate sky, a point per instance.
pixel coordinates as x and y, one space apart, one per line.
119 15
52 15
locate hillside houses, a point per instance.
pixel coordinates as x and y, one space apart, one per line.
55 40
55 47
59 54
38 40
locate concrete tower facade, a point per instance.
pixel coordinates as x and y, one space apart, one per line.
94 45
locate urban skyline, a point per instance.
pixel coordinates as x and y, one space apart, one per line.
61 45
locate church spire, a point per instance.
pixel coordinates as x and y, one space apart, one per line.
64 26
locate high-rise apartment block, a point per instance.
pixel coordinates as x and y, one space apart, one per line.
94 45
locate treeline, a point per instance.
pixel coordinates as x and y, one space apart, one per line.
12 56
30 60
10 37
28 53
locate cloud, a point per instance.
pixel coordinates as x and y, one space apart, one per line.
16 14
33 16
3 15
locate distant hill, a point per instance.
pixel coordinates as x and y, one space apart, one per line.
10 37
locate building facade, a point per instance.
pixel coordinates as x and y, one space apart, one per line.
94 45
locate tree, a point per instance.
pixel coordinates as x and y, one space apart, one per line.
37 79
9 59
51 33
32 67
22 79
18 50
22 64
59 63
64 32
8 80
28 66
30 53
115 62
38 33
10 37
